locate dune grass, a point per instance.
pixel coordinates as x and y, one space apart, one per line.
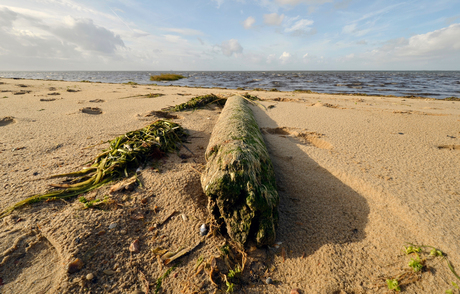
166 77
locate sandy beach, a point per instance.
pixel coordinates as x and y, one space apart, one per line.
359 177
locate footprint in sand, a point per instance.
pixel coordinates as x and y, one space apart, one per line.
28 263
91 110
312 138
7 120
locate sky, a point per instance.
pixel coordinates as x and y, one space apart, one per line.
187 35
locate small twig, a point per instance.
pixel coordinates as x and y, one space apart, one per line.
146 283
167 218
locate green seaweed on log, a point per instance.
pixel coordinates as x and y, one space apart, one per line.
197 102
239 179
124 152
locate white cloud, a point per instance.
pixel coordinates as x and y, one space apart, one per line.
231 47
88 36
219 2
305 56
184 31
342 5
247 24
433 45
349 29
285 57
7 17
350 56
300 25
273 19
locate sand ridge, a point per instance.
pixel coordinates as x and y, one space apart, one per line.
358 177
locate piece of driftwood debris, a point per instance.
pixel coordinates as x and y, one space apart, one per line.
239 179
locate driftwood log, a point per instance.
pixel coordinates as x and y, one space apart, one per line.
239 179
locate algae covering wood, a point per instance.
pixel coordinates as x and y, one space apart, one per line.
239 179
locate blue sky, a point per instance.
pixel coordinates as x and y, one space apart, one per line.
229 35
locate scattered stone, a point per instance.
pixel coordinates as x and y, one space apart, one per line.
134 247
109 272
295 291
54 93
101 233
47 99
203 230
123 232
97 101
137 292
90 277
52 89
269 281
112 226
75 266
72 90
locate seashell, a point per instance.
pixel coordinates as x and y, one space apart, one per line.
203 230
75 266
112 226
134 247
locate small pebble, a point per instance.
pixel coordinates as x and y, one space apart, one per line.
75 266
137 292
112 226
134 247
90 277
77 240
123 232
295 291
269 281
109 272
203 230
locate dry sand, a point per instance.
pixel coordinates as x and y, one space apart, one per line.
358 178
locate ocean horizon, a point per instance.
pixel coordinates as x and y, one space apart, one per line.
425 84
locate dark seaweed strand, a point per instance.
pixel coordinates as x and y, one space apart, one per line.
124 152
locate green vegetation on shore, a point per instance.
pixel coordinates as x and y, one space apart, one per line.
166 77
125 152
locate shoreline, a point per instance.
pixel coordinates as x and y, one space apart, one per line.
449 98
358 177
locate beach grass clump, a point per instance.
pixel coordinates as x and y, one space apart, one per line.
166 77
304 91
131 83
125 152
453 98
197 102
